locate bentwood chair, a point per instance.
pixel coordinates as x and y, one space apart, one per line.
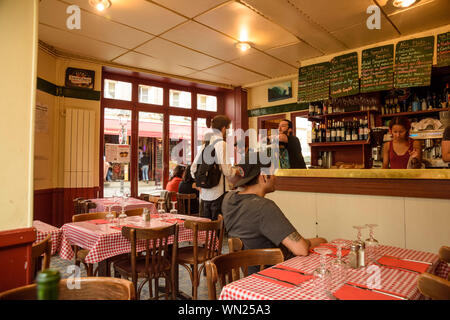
93 288
235 245
184 203
193 256
158 261
434 287
80 254
43 247
77 208
134 212
144 196
225 268
444 255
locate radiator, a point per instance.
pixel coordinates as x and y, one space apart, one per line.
79 149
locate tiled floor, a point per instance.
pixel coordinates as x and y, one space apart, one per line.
184 280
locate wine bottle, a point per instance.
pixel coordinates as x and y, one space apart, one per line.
328 132
348 132
361 130
354 130
333 132
48 284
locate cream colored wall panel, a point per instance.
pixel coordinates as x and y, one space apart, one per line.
240 76
140 14
422 17
46 66
77 44
201 38
359 35
190 8
210 77
92 151
86 152
265 64
295 53
300 208
242 23
286 16
53 13
168 51
142 61
79 147
427 223
337 214
67 149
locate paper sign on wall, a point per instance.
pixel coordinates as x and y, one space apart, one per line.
118 153
41 118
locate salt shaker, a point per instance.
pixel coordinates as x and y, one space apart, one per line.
353 256
362 255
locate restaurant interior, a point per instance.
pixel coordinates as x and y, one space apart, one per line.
103 100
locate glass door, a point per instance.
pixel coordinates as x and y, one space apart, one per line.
150 152
180 142
116 152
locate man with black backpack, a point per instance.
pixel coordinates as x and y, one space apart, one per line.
211 166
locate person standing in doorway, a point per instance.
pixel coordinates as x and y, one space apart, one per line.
144 167
292 144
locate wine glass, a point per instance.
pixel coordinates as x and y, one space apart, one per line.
109 216
339 267
161 211
322 275
173 210
122 214
371 244
359 228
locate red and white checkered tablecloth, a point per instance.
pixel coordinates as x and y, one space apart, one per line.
400 282
104 242
132 203
43 229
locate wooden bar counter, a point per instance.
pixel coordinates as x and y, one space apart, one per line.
421 183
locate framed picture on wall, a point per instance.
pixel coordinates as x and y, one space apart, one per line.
80 78
280 91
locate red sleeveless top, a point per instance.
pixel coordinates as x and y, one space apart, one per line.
399 162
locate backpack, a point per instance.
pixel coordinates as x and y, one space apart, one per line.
208 175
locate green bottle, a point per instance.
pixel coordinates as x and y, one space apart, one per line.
48 285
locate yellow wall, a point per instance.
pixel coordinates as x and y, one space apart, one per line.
18 56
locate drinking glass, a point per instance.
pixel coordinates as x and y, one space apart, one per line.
359 228
339 267
122 214
322 275
371 243
109 216
173 210
161 211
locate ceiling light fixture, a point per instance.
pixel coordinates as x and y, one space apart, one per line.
100 5
243 45
403 3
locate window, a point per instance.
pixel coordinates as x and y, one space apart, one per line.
180 99
180 141
201 130
303 132
117 90
148 94
208 103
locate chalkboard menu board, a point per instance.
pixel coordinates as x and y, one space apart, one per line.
443 49
313 82
377 69
344 79
413 60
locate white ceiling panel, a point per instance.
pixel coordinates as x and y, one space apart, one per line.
165 50
190 8
53 13
265 64
210 77
295 53
238 75
76 44
422 17
199 37
140 14
360 35
142 61
242 23
286 15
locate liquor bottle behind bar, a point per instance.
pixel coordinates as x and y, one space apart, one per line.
361 130
348 132
328 132
354 130
324 133
366 129
342 128
313 132
333 131
311 111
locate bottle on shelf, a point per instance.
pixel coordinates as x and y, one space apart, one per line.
366 129
319 160
447 95
354 130
348 132
429 100
361 130
424 105
311 111
397 105
333 131
328 132
313 132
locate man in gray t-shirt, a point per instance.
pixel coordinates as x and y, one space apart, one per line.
258 221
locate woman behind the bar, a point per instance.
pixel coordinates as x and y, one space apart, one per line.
397 153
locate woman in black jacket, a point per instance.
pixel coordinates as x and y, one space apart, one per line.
187 186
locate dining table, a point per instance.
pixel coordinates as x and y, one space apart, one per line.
43 230
131 203
392 274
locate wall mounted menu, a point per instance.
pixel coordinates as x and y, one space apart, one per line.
313 82
377 69
413 61
443 49
344 79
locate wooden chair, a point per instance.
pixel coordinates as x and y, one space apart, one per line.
194 255
434 287
77 205
444 255
220 269
184 203
157 262
80 254
93 288
43 247
144 196
134 212
235 244
86 205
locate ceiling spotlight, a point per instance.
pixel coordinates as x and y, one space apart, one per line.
243 46
100 5
403 3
